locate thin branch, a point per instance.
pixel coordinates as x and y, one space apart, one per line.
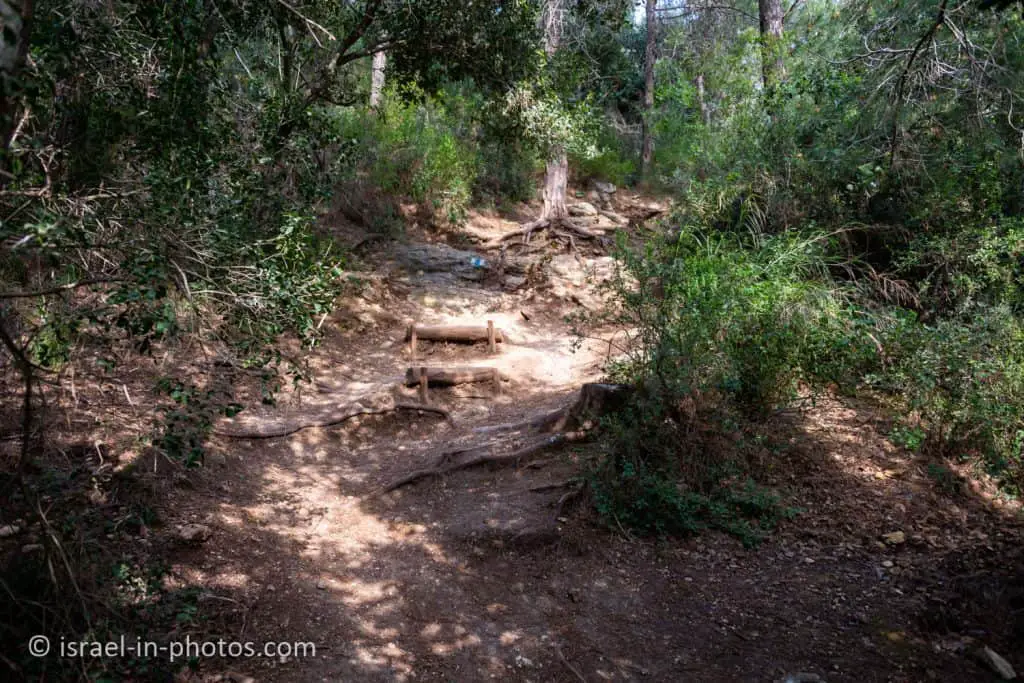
901 85
684 11
328 73
309 22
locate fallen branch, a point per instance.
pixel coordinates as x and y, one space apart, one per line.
571 668
553 487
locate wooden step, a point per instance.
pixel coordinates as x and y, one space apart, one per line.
464 334
448 377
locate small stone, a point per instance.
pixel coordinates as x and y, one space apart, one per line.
514 281
895 538
887 564
215 459
321 585
235 677
9 530
193 533
582 209
997 663
618 219
808 560
605 188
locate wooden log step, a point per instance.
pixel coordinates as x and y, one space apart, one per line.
447 377
465 334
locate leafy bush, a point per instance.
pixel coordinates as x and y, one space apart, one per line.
659 480
963 380
748 321
435 151
726 330
292 287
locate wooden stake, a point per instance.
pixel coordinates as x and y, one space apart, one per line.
423 386
496 378
412 344
492 346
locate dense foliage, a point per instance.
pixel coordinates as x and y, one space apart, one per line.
854 229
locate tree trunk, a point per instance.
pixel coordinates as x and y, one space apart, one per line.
773 66
16 21
553 17
647 154
705 111
555 184
557 178
380 62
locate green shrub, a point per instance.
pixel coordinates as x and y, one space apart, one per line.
428 149
607 165
964 380
291 287
658 480
749 320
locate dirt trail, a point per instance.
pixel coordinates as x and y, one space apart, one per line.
480 575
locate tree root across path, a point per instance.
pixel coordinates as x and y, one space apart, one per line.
324 416
563 227
571 424
473 457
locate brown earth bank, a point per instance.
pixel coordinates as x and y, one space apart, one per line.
891 569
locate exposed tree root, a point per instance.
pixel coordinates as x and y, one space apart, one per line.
595 399
482 456
568 498
561 227
554 487
572 423
538 423
325 418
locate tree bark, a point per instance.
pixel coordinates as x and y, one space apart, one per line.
557 178
380 63
773 65
16 20
702 102
555 184
647 154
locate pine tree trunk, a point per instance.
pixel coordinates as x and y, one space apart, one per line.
557 178
773 66
647 154
380 63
